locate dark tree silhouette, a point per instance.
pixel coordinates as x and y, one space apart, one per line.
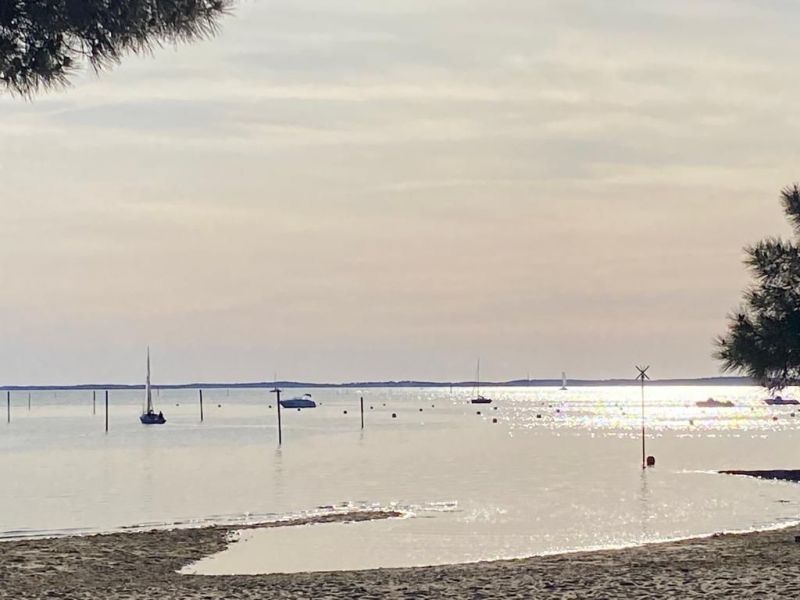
42 42
763 338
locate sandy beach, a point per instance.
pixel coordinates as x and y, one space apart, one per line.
144 565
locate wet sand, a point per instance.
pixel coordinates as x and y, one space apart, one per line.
145 565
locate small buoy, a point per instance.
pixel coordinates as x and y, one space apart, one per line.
792 414
420 410
345 412
774 418
370 407
432 406
494 420
384 403
219 405
558 410
298 410
478 413
538 416
270 405
691 421
494 408
176 404
651 461
394 415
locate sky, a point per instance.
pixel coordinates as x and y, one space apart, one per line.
339 191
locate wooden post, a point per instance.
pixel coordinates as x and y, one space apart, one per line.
201 406
277 392
94 402
106 411
8 406
362 412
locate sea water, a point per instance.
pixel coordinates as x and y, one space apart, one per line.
557 471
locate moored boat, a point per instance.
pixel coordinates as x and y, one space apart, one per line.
150 416
711 403
779 401
304 401
478 398
481 400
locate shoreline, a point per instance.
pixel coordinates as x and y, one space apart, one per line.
146 565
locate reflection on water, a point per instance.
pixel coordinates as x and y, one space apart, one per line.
644 504
559 470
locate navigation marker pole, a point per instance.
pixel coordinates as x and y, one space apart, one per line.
94 402
277 392
106 411
362 412
201 406
8 405
29 402
643 376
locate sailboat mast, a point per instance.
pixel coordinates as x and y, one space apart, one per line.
479 378
147 385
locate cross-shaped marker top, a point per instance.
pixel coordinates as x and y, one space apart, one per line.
643 372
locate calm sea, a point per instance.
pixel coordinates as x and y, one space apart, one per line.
557 471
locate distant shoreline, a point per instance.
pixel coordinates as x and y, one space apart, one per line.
701 381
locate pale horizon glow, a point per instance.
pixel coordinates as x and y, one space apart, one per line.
350 192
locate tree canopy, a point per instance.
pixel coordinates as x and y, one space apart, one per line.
763 337
42 42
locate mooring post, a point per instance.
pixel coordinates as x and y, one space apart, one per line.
201 406
362 412
106 411
277 392
643 376
8 406
94 402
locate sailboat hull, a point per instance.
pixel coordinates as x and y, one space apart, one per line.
481 400
151 419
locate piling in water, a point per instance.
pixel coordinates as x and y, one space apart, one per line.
277 393
201 406
362 412
106 411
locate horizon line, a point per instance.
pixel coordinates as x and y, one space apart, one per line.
616 381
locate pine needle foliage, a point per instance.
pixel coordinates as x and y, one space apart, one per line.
763 337
43 42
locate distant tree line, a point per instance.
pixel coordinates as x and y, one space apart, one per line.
763 337
43 42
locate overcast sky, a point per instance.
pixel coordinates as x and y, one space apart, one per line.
385 190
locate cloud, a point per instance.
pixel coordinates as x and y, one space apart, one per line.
420 180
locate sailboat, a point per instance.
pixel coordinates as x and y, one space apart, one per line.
479 399
563 381
149 416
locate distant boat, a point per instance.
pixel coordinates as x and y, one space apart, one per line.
479 399
711 403
303 401
150 416
778 401
563 381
